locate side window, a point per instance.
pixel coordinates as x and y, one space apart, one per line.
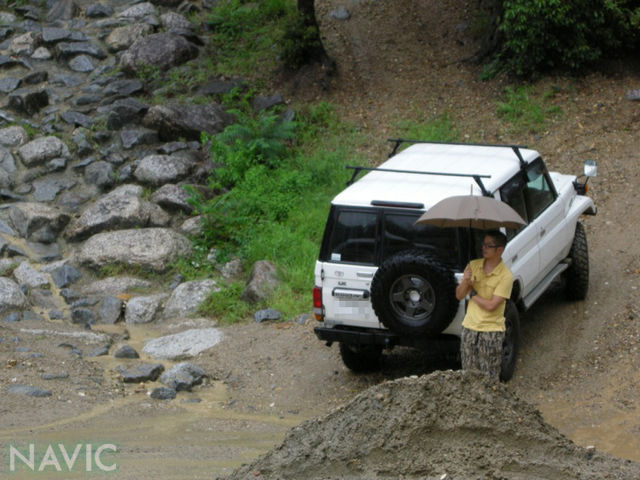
353 237
512 193
538 194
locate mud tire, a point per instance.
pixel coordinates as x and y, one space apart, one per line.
511 342
361 358
577 275
414 294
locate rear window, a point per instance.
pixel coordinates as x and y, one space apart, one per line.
369 236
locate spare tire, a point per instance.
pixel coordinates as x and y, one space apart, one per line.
413 293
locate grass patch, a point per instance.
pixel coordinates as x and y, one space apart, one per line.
524 112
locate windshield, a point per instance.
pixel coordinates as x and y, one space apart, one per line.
369 236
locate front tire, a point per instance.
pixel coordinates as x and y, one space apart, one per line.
577 275
511 342
361 358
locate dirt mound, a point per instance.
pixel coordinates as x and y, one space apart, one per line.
425 427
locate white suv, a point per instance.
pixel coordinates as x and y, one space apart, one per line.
382 281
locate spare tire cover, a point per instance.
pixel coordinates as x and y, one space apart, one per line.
413 293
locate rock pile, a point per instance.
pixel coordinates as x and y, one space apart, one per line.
446 425
81 147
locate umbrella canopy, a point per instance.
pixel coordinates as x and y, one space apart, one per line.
472 211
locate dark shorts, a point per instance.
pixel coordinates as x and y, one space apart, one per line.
482 351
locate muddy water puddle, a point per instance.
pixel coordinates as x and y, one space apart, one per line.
194 436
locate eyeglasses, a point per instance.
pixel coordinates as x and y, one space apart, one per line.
489 245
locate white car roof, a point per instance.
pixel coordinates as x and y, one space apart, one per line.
499 163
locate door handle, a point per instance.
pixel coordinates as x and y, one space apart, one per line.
542 232
514 258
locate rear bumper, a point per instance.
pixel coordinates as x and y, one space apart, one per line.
357 337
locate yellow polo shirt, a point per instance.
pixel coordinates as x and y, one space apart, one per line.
498 282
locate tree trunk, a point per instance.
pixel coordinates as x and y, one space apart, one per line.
491 37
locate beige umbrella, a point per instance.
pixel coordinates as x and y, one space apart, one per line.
472 211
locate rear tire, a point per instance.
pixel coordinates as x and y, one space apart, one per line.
361 358
511 342
577 275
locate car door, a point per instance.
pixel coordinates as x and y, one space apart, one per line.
348 267
521 255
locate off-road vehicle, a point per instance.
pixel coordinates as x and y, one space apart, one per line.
382 281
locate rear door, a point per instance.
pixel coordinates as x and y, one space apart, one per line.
347 266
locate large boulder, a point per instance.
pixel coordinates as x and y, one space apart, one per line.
149 248
123 37
175 121
184 344
262 282
162 50
143 309
120 209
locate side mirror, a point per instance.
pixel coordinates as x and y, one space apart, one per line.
590 168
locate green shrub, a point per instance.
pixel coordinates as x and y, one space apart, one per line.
562 34
524 111
300 43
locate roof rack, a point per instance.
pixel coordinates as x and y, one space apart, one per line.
477 178
399 141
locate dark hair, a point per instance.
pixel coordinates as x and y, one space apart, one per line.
498 237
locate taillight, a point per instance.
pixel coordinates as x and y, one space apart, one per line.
318 311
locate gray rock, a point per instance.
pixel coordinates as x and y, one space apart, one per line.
48 188
340 13
55 376
187 297
42 149
6 181
115 286
232 269
28 101
171 20
101 174
98 10
262 102
184 344
266 315
138 11
143 309
25 44
220 87
262 282
62 10
123 111
162 50
192 226
151 248
7 163
9 84
163 393
38 222
82 64
183 376
44 252
55 34
66 50
77 119
135 138
5 228
13 137
172 197
161 169
65 275
42 53
25 274
125 351
122 38
120 209
66 80
82 316
28 391
176 121
13 317
110 310
11 296
99 352
124 88
141 373
35 78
